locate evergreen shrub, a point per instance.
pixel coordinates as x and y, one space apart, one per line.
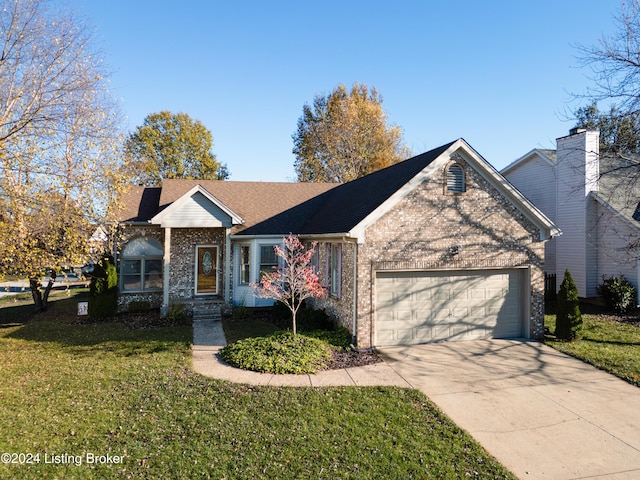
103 290
569 317
617 294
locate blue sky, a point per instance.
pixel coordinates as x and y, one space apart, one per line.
500 74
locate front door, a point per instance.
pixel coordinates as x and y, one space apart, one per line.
206 270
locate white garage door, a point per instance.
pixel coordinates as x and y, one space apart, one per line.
420 307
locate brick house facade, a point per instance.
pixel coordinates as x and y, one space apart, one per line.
437 247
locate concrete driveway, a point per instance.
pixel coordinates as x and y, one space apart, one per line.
541 413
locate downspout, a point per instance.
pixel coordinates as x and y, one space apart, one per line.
227 266
371 307
165 278
354 335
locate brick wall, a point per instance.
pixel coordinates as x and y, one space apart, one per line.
340 309
419 232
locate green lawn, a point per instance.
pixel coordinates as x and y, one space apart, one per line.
607 344
71 389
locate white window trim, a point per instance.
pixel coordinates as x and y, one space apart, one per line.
335 270
241 282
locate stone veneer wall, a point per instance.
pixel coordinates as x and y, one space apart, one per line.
418 233
183 258
182 271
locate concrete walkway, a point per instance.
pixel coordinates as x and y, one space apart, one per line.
208 339
542 414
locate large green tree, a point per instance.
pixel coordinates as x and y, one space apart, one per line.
169 145
60 128
345 135
619 132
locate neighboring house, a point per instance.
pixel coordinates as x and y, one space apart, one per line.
438 247
593 200
99 241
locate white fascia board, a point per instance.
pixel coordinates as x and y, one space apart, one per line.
239 237
235 218
526 158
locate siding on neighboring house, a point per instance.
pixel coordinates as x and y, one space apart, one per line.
616 259
535 177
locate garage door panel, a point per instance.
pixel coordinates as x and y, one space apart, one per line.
461 312
404 335
386 337
433 306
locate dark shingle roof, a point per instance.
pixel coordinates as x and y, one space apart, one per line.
255 202
273 208
139 204
343 207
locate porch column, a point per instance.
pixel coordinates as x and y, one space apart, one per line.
227 265
166 270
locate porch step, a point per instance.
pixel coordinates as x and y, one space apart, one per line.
207 312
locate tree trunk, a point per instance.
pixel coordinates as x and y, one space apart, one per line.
36 293
40 298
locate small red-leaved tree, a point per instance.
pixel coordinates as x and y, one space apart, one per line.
294 280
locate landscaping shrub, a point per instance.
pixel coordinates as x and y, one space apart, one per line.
338 337
308 319
617 294
103 290
568 318
240 311
177 315
280 352
138 306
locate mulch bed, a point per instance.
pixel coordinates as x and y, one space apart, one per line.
344 359
599 311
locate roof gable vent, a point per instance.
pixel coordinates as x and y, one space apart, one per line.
455 178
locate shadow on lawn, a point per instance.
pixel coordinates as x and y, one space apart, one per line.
610 342
60 325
